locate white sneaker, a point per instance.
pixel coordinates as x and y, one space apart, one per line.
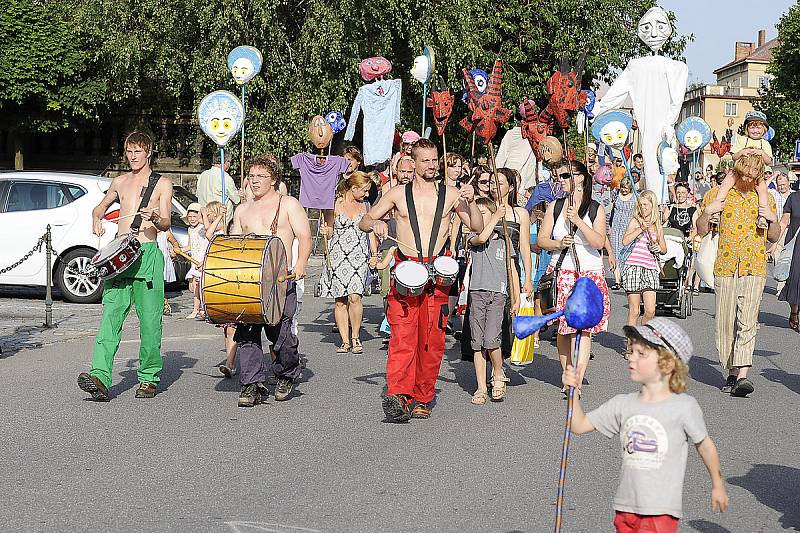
193 315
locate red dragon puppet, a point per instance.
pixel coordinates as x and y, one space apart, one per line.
486 110
720 148
441 101
566 97
534 129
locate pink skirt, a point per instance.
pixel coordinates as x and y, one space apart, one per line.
566 280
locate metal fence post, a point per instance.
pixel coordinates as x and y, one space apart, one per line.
48 299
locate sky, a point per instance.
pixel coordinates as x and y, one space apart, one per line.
717 25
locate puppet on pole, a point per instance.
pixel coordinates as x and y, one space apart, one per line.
221 116
244 62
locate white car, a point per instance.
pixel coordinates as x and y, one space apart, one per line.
29 201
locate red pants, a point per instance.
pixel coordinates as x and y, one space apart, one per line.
416 345
635 523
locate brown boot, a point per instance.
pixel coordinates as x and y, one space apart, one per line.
93 386
146 390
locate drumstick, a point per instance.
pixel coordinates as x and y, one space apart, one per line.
123 217
413 249
190 258
287 277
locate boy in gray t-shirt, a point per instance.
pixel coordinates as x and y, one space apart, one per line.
654 426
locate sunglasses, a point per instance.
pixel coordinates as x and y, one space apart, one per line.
483 182
564 176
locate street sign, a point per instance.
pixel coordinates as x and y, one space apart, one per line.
797 149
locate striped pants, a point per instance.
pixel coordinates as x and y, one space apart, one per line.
738 302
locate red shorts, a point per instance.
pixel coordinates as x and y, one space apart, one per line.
636 523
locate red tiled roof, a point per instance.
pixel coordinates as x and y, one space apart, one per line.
762 54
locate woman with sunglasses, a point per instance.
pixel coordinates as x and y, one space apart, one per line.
580 229
481 177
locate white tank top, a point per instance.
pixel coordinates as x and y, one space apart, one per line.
589 257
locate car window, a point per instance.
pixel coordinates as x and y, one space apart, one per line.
75 191
33 196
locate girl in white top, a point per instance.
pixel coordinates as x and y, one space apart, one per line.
589 238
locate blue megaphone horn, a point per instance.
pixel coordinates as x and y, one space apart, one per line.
584 310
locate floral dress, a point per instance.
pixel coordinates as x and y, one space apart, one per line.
349 259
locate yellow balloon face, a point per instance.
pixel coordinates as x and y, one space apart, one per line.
692 140
614 134
221 126
243 70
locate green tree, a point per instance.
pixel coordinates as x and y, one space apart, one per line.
44 82
781 101
163 56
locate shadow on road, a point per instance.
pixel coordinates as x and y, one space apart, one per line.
771 319
708 527
174 364
776 487
706 371
777 375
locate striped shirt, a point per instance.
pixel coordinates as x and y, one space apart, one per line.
641 255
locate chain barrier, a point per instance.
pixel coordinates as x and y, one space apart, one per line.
36 248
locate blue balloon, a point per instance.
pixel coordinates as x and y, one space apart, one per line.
584 310
336 120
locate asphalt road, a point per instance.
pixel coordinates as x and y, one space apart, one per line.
191 460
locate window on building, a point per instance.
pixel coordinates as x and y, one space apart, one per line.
763 82
731 109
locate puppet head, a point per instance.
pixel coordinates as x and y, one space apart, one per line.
533 128
244 62
655 28
612 128
320 132
487 110
583 310
588 105
693 133
424 65
603 175
668 159
374 67
481 79
442 103
551 152
221 116
336 120
564 88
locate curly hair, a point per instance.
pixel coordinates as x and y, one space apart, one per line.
747 163
678 374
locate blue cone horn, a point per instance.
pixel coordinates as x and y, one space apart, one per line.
584 310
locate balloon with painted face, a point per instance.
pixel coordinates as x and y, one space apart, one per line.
424 65
244 62
612 128
655 28
336 120
668 159
221 116
320 132
374 67
693 134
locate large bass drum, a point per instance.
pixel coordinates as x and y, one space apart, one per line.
240 280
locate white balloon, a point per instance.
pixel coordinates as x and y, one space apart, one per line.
614 134
420 69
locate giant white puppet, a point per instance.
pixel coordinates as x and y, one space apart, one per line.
656 85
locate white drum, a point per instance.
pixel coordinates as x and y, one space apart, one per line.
410 278
445 271
706 257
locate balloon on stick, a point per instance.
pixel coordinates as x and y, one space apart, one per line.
221 116
245 63
424 66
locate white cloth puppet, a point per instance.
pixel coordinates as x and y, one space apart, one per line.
515 152
656 85
380 102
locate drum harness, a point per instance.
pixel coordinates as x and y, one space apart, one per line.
437 222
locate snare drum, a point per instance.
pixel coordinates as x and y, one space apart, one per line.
410 278
240 280
445 271
117 256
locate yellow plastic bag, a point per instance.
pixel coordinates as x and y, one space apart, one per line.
522 350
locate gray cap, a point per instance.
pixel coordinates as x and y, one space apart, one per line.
663 332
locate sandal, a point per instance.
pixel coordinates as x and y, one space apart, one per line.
357 347
499 388
344 348
794 323
536 344
480 397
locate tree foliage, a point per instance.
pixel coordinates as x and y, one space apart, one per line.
163 56
45 82
781 101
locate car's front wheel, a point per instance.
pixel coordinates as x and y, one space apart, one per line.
75 278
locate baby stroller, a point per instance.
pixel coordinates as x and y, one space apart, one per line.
674 296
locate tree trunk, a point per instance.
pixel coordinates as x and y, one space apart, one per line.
18 156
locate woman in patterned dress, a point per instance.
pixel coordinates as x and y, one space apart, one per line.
351 254
620 218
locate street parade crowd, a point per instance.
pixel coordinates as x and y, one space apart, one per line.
487 247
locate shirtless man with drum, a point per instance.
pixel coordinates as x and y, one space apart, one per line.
417 310
140 284
271 213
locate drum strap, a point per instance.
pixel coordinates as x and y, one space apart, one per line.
437 219
273 228
148 192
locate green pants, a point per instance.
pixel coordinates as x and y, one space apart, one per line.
141 285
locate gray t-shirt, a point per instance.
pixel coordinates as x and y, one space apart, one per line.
654 438
489 266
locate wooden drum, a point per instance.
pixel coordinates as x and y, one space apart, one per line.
240 279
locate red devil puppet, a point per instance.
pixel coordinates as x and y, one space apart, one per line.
533 127
487 110
442 103
566 97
